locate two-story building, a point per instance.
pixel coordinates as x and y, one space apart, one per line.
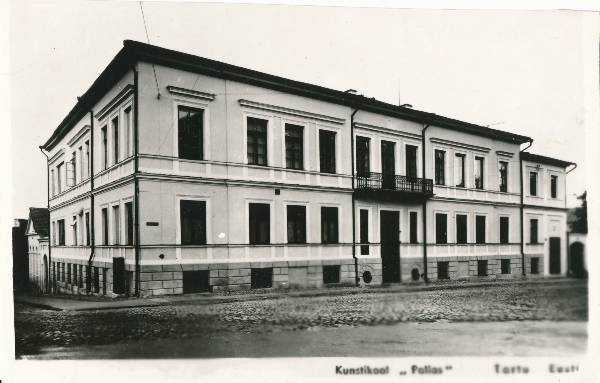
37 246
174 173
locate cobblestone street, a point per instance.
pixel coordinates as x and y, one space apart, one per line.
40 331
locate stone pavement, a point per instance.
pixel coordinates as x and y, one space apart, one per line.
85 303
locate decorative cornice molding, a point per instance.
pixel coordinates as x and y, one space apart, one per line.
502 153
190 93
293 112
382 129
56 156
78 135
112 104
460 145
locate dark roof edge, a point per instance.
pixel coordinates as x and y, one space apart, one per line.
134 51
546 160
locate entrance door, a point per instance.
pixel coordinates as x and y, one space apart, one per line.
390 245
388 164
576 263
554 255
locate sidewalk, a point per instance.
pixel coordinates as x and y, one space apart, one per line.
82 303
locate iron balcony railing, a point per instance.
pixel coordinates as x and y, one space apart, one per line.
378 181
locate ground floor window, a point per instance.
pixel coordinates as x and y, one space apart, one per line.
442 270
196 281
96 280
535 265
68 273
80 281
331 274
505 266
261 278
482 268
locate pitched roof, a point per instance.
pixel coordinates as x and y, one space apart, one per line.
134 51
545 160
38 216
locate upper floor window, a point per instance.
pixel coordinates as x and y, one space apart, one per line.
440 159
294 147
503 173
104 152
533 183
87 160
327 151
411 161
479 172
259 223
59 172
190 131
362 156
296 224
193 222
553 186
115 127
329 225
257 141
81 176
480 229
72 172
53 180
61 232
128 125
459 169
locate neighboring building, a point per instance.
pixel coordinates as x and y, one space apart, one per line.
19 251
577 239
37 245
218 177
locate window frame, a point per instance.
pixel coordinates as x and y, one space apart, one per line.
367 156
267 140
554 186
500 184
416 231
466 231
287 206
463 162
535 237
335 150
302 137
478 241
178 101
203 240
436 215
202 134
338 210
481 169
208 224
271 221
500 241
364 248
535 192
439 179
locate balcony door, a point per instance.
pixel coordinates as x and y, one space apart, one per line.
390 245
388 164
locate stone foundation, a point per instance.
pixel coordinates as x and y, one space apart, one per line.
466 267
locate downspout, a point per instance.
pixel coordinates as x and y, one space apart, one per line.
92 222
356 277
521 206
424 212
136 202
48 288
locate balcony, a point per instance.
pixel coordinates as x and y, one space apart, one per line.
391 187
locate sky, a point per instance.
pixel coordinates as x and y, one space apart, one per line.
527 72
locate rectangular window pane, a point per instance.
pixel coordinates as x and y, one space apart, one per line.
459 170
105 226
504 229
480 229
193 222
533 183
440 167
461 228
190 128
61 232
411 161
362 156
87 228
257 141
503 170
479 172
533 231
128 132
296 224
116 225
74 226
327 151
88 164
59 175
413 227
129 223
364 231
553 186
441 228
329 224
115 125
104 147
294 147
259 223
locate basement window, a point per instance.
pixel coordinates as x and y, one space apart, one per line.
482 268
331 274
535 265
505 266
261 278
196 281
442 270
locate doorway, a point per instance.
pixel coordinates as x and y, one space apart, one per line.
390 245
388 165
576 262
554 255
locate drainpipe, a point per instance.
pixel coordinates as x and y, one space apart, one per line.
424 213
48 288
521 206
356 277
92 221
136 202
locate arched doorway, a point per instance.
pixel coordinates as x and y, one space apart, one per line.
44 285
576 261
